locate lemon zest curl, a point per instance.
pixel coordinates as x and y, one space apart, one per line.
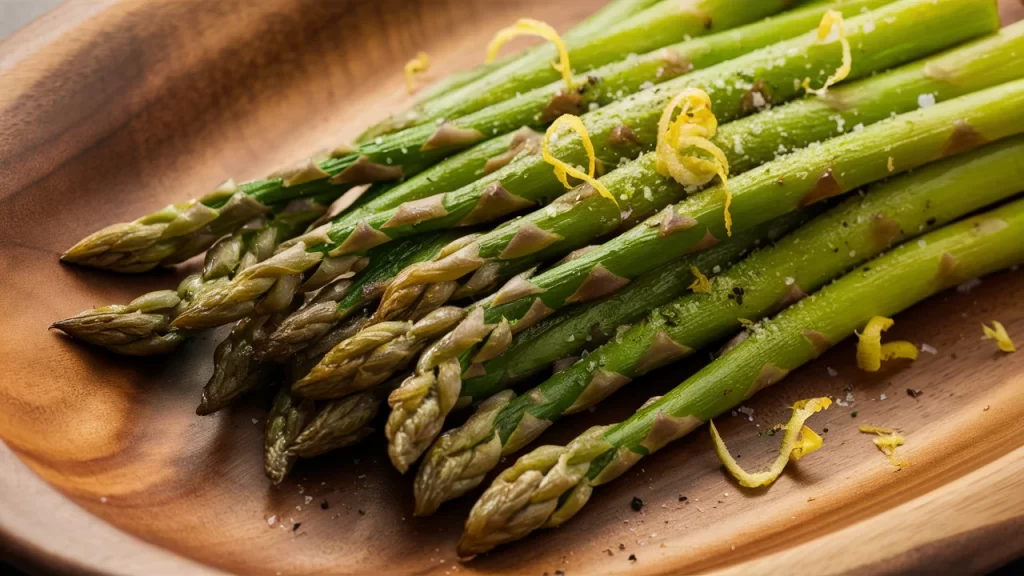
887 442
998 333
563 170
799 441
829 19
417 65
692 128
701 284
870 350
531 27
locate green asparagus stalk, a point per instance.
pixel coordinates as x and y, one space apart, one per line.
551 484
338 424
236 371
142 327
338 301
578 217
288 417
801 179
659 25
847 236
901 31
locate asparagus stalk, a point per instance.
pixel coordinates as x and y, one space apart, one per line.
818 172
901 31
142 327
659 25
551 484
288 417
236 371
847 236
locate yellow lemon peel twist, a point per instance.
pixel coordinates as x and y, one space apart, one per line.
701 284
799 441
829 19
692 128
998 333
870 350
563 170
887 442
531 27
417 65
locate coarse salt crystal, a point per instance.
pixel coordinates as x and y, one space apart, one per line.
883 397
926 100
790 280
272 520
969 285
929 349
831 371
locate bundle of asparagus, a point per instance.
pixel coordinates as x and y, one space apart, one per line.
832 168
579 220
682 233
551 484
180 231
528 179
772 278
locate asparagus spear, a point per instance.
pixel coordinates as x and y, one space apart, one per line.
901 31
142 327
847 236
551 484
288 417
659 25
818 172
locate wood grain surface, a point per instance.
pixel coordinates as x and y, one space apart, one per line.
110 109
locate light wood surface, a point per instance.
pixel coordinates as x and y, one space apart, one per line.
109 109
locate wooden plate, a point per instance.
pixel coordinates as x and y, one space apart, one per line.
111 109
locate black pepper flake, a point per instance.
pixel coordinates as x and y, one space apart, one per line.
930 221
324 505
824 430
913 393
296 526
739 295
622 546
362 512
559 573
853 414
632 557
684 499
637 504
